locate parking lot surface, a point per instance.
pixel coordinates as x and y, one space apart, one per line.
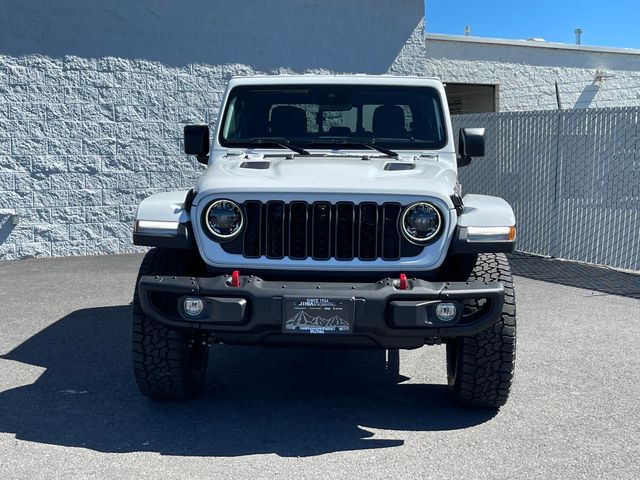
69 407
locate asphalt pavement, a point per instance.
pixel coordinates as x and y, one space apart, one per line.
69 407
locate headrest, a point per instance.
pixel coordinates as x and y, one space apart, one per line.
287 120
388 121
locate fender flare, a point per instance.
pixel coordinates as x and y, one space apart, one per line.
484 213
163 220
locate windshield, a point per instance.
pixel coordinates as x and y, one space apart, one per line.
323 116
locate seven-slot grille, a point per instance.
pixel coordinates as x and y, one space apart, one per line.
322 230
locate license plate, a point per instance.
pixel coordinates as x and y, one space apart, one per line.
318 315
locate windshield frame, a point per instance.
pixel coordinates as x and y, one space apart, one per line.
315 143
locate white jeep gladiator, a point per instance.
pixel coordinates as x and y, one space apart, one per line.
330 214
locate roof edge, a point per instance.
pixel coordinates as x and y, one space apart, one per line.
440 37
335 79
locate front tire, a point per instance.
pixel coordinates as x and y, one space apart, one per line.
480 367
168 364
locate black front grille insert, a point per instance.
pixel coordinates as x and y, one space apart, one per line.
275 230
368 226
252 243
390 237
322 230
298 215
345 231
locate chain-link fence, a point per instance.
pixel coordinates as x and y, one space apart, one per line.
572 177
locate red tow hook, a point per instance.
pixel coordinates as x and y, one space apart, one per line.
235 279
403 285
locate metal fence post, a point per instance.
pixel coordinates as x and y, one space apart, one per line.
554 241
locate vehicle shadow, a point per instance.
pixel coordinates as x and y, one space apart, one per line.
575 274
291 402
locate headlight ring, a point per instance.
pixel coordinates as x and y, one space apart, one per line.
224 219
420 222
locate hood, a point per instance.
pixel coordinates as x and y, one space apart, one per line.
410 175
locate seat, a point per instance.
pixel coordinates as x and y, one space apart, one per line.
288 121
388 121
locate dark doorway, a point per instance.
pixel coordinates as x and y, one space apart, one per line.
471 98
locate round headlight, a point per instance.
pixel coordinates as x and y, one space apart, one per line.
420 222
224 219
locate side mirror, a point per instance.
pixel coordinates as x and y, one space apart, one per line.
196 142
470 144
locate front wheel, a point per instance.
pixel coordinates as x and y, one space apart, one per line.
480 367
168 364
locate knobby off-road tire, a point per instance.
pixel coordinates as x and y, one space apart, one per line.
480 367
168 364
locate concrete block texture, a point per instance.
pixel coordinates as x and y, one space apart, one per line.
93 100
525 73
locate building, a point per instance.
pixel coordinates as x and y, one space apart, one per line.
486 74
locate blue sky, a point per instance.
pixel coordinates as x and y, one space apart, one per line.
614 23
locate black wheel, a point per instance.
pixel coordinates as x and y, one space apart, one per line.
168 364
480 367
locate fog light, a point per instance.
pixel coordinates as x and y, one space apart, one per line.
446 311
193 306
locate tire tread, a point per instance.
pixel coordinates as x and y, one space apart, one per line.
159 352
487 360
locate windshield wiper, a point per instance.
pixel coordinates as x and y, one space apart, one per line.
373 146
280 142
349 142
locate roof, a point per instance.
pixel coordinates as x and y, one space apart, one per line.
529 43
359 79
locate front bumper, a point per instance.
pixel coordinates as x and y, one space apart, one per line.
383 316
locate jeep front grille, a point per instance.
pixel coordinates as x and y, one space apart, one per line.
322 230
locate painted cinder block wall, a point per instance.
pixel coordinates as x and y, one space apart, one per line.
525 72
93 99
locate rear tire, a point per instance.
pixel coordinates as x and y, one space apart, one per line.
168 364
480 367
